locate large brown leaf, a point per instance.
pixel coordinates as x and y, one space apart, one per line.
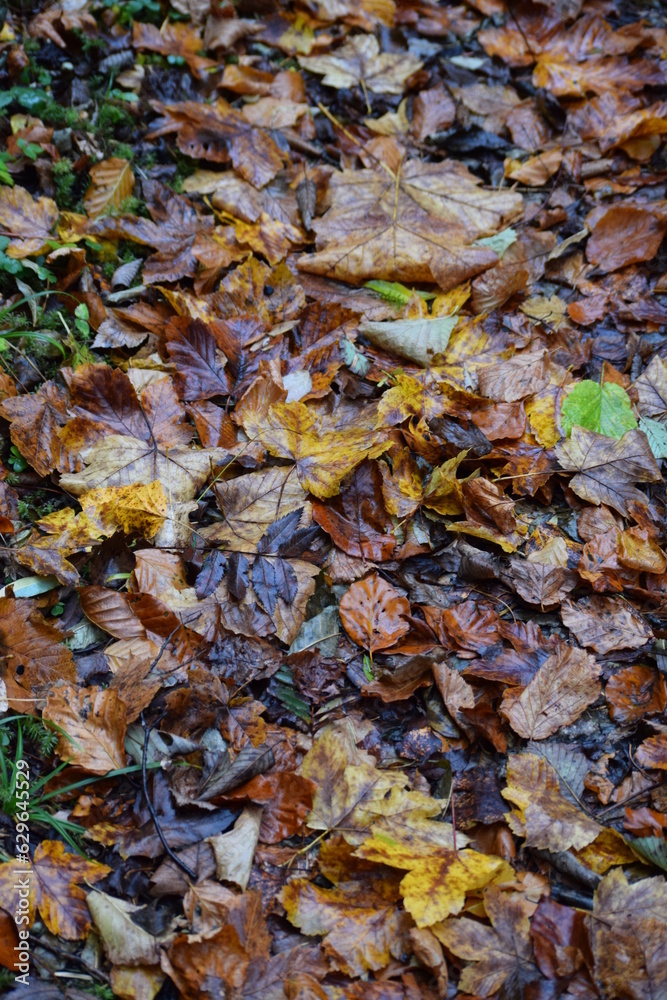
564 686
607 469
605 623
415 226
497 955
93 725
32 652
220 133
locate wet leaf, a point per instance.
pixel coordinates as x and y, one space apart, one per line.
371 612
111 183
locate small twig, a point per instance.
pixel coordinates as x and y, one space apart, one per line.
151 808
144 777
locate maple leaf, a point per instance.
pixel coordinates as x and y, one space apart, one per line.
372 611
220 133
28 222
324 453
353 795
564 686
35 420
111 182
414 226
544 816
124 438
60 535
178 39
438 876
250 504
607 468
93 724
498 956
360 63
362 927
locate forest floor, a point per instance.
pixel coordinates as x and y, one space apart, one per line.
333 413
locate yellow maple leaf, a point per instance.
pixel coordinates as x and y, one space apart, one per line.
438 876
139 508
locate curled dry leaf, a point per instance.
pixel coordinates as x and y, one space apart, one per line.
371 612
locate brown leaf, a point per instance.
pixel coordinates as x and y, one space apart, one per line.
59 888
416 228
32 651
607 469
111 182
627 934
605 623
356 519
371 612
521 376
362 926
360 63
624 235
220 133
634 692
493 954
93 720
546 819
35 421
27 222
564 686
177 39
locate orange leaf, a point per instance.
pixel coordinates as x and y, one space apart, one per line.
371 612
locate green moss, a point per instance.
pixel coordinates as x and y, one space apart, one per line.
64 179
55 114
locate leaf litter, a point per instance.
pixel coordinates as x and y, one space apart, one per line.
334 406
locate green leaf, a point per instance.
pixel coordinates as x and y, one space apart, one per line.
420 340
653 849
605 409
499 243
353 358
395 292
656 434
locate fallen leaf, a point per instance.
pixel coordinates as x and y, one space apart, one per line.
111 183
605 409
496 954
564 686
624 235
59 894
605 623
360 63
234 851
371 612
544 817
607 469
93 726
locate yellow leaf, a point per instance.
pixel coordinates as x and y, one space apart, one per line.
438 877
138 508
324 453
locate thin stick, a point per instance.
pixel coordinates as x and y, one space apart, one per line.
151 808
